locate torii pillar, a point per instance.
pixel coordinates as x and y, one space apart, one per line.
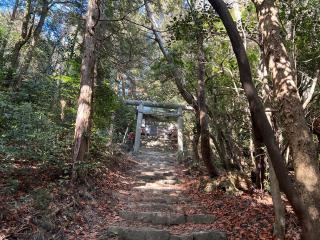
180 131
138 129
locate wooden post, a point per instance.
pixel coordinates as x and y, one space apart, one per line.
138 129
180 131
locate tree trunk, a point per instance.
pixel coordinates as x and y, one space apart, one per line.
259 161
82 126
123 86
218 144
178 77
195 141
293 122
34 42
24 37
206 151
279 210
259 156
176 72
133 87
72 47
259 117
278 206
218 141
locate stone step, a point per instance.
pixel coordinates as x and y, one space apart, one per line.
158 186
139 192
155 207
165 218
152 175
163 199
156 198
163 207
133 233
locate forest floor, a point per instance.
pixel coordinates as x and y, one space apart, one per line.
132 193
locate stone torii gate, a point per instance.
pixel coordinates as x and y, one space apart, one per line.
179 114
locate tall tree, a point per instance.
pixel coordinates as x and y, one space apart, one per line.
278 206
188 97
26 31
295 127
34 42
206 151
84 113
260 119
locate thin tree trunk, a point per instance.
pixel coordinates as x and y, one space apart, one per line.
178 77
195 141
260 119
72 47
206 151
176 72
84 113
222 150
237 14
133 87
111 128
259 162
235 151
25 35
218 144
123 86
34 42
279 210
278 206
311 91
293 122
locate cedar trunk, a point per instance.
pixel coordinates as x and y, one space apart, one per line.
293 122
84 113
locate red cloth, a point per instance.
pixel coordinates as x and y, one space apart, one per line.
131 136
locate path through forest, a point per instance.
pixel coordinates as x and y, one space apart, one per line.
157 206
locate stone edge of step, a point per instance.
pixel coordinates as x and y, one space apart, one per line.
164 218
129 233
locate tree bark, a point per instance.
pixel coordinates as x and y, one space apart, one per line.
278 206
133 87
195 141
218 143
293 122
259 117
123 86
206 151
84 113
259 159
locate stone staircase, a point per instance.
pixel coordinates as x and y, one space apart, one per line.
157 203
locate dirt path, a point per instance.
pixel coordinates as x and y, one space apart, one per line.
157 206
